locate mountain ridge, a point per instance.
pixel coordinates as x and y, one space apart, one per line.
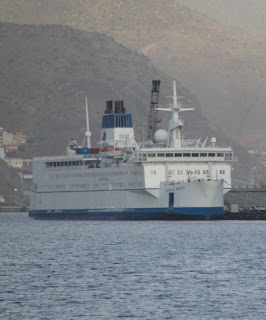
180 42
46 72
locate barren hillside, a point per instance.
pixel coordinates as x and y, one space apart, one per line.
46 72
224 67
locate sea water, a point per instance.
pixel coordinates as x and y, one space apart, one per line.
132 269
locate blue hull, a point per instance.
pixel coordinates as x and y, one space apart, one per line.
129 214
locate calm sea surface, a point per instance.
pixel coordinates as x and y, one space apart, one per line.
131 270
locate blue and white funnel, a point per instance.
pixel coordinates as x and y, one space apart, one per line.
117 126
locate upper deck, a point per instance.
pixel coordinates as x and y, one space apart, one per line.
185 155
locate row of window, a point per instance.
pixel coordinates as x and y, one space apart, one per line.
92 186
187 172
226 156
124 136
181 172
75 163
94 174
141 156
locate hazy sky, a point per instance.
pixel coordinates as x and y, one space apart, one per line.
246 14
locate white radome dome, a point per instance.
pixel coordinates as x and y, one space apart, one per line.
161 136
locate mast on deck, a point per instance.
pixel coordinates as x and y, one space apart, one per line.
175 123
87 132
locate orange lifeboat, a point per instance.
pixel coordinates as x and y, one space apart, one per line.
110 149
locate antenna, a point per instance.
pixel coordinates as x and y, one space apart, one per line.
175 124
175 103
87 133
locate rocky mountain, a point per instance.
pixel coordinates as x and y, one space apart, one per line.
223 66
46 72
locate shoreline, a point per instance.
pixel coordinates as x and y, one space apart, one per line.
249 215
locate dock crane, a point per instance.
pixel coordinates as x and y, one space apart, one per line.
153 113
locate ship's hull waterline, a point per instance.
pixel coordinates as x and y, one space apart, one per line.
190 200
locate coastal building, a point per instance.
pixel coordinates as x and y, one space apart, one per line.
19 138
8 138
1 135
2 153
11 148
15 162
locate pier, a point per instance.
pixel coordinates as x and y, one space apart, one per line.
245 203
246 197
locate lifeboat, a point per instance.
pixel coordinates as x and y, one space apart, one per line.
111 149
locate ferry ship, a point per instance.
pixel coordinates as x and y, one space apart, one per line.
168 179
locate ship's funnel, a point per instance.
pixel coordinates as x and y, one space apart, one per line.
109 107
